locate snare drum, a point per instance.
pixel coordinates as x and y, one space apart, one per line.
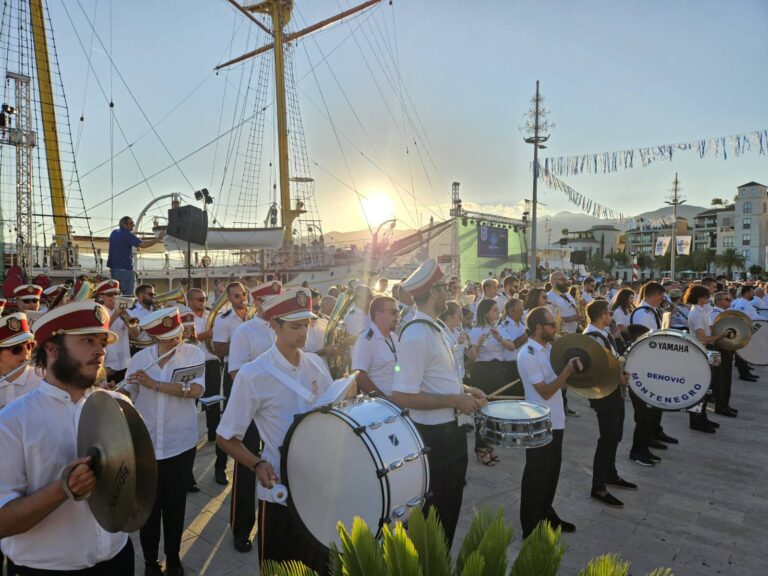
756 352
669 370
514 424
363 458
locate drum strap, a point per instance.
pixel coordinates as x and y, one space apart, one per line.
609 342
653 311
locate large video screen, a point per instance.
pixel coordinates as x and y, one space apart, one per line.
491 242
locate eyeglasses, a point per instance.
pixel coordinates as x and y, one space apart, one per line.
390 311
549 323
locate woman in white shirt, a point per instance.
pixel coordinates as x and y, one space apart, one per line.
489 372
451 319
622 311
166 402
700 327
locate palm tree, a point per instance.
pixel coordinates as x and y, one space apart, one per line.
730 259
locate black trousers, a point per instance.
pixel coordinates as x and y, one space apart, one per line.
610 421
212 387
488 376
169 507
226 380
645 424
447 472
242 506
119 565
281 538
540 477
723 398
742 365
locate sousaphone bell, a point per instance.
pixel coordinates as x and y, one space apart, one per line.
113 434
737 328
599 376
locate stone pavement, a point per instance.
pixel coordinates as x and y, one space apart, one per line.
702 511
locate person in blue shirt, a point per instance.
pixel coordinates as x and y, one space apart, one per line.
122 241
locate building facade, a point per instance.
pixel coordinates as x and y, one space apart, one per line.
642 238
750 234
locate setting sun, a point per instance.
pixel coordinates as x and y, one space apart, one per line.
378 207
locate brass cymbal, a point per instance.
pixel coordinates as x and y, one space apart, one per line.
112 432
738 329
600 374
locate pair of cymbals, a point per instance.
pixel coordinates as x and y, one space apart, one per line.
600 373
112 432
737 328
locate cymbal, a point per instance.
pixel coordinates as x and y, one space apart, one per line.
600 374
737 326
112 432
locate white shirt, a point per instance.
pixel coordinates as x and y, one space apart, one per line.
316 335
646 317
747 307
138 311
534 368
377 356
714 312
356 321
406 316
591 328
28 380
249 341
511 330
425 359
38 437
680 317
491 349
171 420
567 306
620 317
458 351
224 326
699 319
260 397
587 297
201 325
119 353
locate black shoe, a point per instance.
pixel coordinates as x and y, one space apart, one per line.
710 423
640 459
174 570
748 378
194 487
570 412
566 526
666 439
621 483
734 409
243 544
651 456
657 445
220 475
608 498
700 426
726 412
152 569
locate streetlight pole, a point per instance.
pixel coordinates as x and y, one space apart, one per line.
537 122
674 201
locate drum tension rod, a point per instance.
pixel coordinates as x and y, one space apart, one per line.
404 412
359 430
381 472
426 450
325 408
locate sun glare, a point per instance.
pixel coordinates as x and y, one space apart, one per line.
378 207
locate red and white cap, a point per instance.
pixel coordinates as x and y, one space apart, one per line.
14 329
266 290
53 291
107 288
163 324
74 318
187 315
423 278
293 304
3 302
28 292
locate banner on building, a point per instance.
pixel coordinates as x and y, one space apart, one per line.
662 243
683 245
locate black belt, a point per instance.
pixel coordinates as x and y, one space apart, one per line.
449 424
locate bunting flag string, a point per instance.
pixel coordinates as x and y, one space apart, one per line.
608 162
603 212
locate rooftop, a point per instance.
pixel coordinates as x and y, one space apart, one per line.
753 183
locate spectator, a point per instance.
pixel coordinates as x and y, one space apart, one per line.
120 259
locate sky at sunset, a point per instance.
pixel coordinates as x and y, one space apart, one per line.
419 93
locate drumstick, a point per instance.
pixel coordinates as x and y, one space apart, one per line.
500 390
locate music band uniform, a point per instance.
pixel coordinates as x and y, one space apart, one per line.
723 391
376 356
212 375
542 465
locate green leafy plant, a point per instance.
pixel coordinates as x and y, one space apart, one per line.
606 565
541 553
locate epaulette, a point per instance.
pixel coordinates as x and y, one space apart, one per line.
134 306
531 351
369 334
227 313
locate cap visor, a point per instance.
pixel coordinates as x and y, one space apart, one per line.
302 315
111 336
172 334
17 339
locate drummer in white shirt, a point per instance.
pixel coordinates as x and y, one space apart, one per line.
261 396
16 344
745 302
542 386
45 525
375 352
167 405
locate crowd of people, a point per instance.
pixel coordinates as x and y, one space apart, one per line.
425 342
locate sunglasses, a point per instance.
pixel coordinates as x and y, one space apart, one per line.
203 298
19 348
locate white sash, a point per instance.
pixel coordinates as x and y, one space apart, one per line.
300 391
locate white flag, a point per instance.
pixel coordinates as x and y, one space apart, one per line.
683 245
662 243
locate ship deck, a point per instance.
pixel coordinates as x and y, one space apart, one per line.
703 511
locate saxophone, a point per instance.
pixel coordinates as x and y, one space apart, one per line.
559 331
335 340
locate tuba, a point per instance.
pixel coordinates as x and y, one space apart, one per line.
335 341
175 296
215 311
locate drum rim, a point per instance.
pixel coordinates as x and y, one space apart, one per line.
547 410
675 334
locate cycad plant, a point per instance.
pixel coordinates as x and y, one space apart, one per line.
422 551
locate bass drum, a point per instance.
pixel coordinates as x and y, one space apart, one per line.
756 352
359 458
668 370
